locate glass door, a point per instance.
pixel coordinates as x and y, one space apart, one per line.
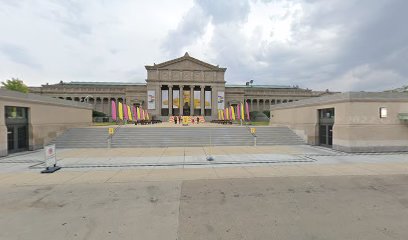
17 128
10 139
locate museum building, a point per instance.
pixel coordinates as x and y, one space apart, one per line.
182 86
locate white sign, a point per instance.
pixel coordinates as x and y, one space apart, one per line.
165 98
197 102
383 112
207 97
176 98
50 156
151 99
220 100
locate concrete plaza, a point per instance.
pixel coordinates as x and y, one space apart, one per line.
279 192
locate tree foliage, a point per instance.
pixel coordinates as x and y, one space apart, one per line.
15 84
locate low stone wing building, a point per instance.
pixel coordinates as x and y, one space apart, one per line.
182 86
351 122
30 121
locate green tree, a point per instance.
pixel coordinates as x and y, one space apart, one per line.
15 84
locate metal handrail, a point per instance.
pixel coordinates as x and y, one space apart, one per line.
114 132
253 134
249 129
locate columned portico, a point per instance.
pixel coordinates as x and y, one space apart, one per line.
181 99
200 100
191 83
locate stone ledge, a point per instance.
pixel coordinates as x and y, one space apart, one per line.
31 98
371 149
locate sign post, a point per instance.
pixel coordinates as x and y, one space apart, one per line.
111 132
185 120
50 159
253 132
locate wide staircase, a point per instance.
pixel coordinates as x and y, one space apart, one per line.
82 138
127 137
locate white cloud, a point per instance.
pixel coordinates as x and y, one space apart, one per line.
337 44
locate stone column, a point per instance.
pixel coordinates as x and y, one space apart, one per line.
94 104
202 100
214 104
110 106
257 104
103 105
191 100
159 99
181 96
170 101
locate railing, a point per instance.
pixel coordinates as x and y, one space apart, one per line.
109 138
252 133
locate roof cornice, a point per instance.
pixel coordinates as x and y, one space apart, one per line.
185 57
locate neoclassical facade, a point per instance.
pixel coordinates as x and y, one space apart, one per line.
182 86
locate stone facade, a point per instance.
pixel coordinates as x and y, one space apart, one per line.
361 121
192 80
45 118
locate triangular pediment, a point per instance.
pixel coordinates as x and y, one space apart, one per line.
186 63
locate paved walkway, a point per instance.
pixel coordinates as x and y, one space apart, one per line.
152 204
157 164
174 193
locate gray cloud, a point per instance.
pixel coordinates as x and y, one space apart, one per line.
337 44
18 55
191 27
194 23
369 34
70 15
224 11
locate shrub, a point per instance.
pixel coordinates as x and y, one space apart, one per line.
98 114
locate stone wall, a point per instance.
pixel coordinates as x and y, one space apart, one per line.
47 117
357 123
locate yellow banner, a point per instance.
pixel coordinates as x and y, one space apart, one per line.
129 113
242 111
120 110
185 120
233 113
138 113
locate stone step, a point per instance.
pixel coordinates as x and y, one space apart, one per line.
175 137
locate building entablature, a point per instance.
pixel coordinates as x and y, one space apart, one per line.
185 63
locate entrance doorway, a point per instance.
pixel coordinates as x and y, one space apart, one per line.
326 122
17 129
186 109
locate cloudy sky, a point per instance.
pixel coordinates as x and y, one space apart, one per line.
341 45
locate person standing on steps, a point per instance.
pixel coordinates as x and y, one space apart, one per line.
175 120
198 120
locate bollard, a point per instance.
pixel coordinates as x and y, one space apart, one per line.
254 141
109 142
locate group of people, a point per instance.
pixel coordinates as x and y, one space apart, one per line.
179 120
